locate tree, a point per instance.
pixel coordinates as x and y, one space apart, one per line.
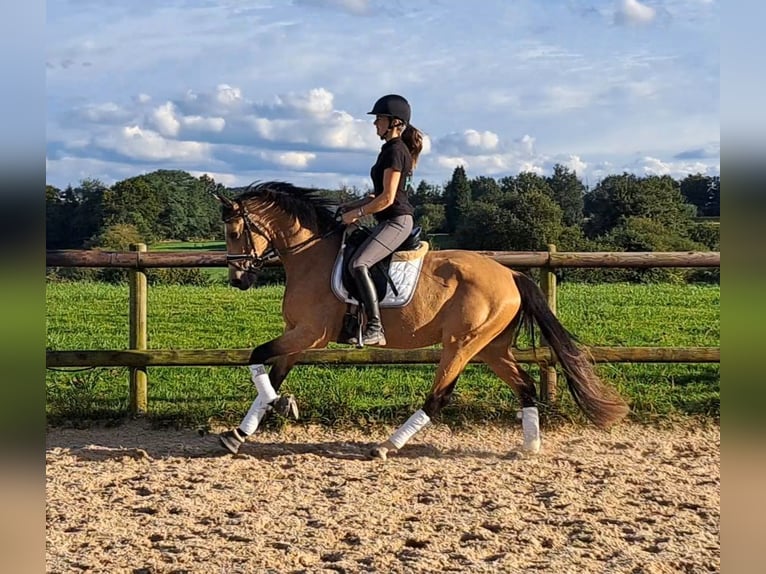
136 202
457 198
568 192
75 215
167 204
528 181
485 189
55 232
117 237
618 197
704 192
430 217
426 193
429 207
528 221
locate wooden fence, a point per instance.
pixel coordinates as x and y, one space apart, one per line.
138 357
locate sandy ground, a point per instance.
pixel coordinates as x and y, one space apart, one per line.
635 500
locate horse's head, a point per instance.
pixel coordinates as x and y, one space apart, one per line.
248 245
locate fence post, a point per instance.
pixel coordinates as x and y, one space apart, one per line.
138 334
548 376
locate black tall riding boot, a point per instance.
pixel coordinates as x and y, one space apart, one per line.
373 331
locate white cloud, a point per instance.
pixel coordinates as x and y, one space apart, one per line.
677 169
204 124
565 98
654 166
227 95
69 170
290 159
168 121
108 112
469 141
633 12
530 166
316 102
357 7
574 163
337 130
148 145
164 119
527 143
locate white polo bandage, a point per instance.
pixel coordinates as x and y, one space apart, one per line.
261 404
262 382
405 432
530 426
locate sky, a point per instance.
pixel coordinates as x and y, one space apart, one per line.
250 90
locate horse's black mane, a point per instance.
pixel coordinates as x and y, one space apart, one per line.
313 210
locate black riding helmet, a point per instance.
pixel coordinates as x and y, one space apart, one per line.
392 105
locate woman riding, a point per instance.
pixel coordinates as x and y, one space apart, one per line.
391 176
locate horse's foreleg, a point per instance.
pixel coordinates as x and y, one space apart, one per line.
285 405
282 352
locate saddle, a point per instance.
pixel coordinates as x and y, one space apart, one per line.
394 277
380 272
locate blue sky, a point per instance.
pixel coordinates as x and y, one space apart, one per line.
257 90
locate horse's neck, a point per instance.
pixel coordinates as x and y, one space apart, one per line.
312 261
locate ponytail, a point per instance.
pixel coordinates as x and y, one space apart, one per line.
413 139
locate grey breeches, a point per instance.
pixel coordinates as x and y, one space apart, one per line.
385 238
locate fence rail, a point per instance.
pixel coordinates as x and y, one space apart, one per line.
138 358
240 357
552 259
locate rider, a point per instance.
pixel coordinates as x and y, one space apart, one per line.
393 212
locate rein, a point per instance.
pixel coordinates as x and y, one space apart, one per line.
252 262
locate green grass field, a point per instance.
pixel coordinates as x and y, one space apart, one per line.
94 316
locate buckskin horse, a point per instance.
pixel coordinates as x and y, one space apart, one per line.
467 302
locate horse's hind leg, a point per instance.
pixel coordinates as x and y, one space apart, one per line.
454 358
499 358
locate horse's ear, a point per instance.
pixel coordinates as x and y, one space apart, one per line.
225 201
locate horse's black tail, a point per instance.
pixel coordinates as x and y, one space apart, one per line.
600 403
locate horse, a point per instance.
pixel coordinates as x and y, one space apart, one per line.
467 302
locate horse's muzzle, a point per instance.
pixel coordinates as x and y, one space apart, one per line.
242 282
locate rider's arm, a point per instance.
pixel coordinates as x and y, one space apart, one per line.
357 203
391 179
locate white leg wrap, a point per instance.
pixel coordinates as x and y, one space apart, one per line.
530 426
255 415
260 406
405 432
262 382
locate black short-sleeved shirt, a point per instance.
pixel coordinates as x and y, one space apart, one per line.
395 155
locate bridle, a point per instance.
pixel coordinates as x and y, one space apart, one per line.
251 262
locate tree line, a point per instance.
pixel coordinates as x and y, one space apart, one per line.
523 212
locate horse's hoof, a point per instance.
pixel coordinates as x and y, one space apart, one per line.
286 406
380 452
532 446
231 441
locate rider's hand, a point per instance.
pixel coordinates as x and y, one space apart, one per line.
350 217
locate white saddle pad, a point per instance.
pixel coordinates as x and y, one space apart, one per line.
404 271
